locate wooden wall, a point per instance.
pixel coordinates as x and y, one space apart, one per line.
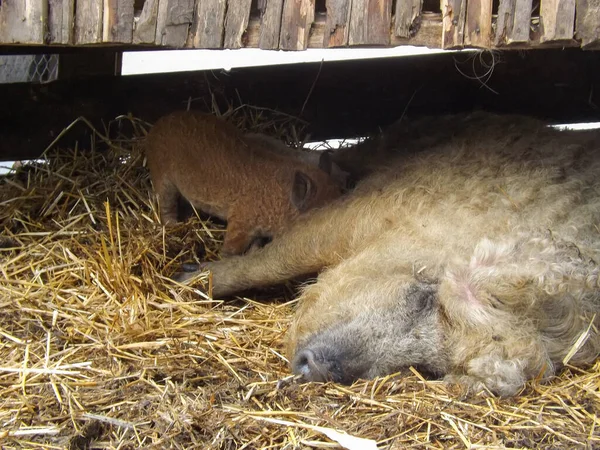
300 24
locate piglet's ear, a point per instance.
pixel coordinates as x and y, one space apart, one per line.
302 190
325 163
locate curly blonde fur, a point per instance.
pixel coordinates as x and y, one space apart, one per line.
475 259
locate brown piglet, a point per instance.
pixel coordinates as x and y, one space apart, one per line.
221 172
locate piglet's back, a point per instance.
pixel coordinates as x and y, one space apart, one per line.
205 157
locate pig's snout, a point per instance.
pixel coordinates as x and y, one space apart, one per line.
325 363
311 366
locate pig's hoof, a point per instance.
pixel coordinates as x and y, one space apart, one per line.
184 277
190 267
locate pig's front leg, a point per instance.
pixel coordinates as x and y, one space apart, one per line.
319 239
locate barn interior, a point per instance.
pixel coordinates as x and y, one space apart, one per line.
101 349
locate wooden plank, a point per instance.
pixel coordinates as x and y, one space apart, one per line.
505 21
514 22
60 21
210 24
118 21
588 23
478 25
296 20
88 21
370 22
23 22
521 23
174 21
236 22
145 27
453 23
406 13
558 20
337 26
270 25
428 33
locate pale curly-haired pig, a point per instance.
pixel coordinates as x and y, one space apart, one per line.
221 172
476 259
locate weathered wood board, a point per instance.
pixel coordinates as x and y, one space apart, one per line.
270 25
209 24
175 18
145 27
370 22
60 21
337 26
118 21
88 21
296 20
453 23
406 13
23 22
514 22
236 22
478 25
558 20
587 28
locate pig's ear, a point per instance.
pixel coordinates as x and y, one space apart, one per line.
302 190
325 163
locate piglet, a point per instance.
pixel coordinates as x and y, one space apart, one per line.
223 173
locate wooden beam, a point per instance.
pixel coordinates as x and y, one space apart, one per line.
338 23
145 28
270 25
23 22
478 25
173 24
210 24
88 64
558 20
453 23
118 21
406 13
296 20
370 22
60 21
588 23
236 22
514 22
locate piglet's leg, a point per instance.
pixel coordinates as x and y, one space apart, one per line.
167 199
237 239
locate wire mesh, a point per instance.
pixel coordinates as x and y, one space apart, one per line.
28 68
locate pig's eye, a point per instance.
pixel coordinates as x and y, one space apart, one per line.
421 297
261 241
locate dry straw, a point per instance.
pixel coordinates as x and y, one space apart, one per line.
99 349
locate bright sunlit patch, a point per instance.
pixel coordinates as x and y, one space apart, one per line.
331 144
163 61
577 126
7 167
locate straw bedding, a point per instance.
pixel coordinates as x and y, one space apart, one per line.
99 349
